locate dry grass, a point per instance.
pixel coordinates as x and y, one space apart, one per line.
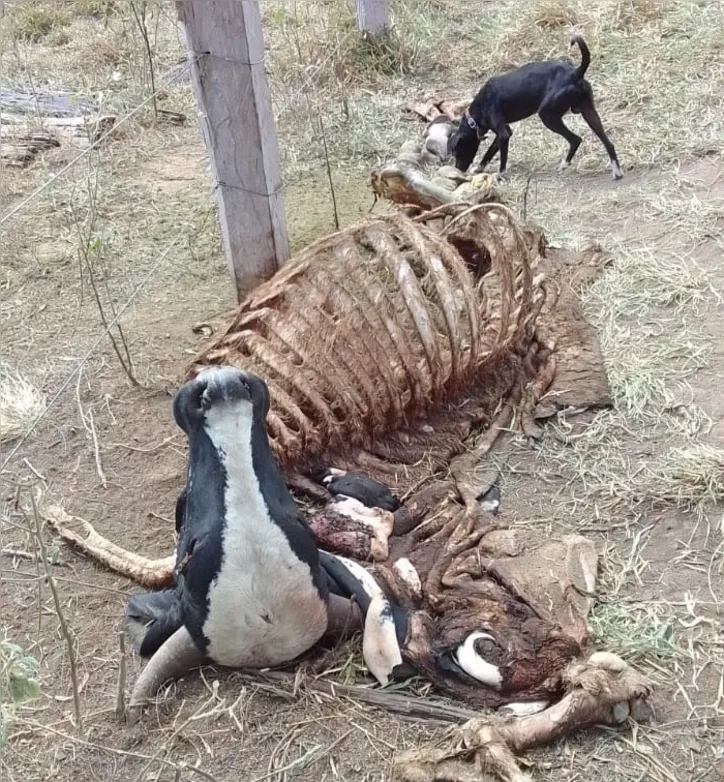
610 478
688 477
640 633
658 76
35 21
96 9
647 357
20 404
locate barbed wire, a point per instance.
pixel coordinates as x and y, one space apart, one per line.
193 58
81 363
172 76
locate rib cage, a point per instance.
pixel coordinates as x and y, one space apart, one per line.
370 328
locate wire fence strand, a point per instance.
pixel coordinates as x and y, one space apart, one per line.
193 58
177 72
81 363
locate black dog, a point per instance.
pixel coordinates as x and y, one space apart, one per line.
550 88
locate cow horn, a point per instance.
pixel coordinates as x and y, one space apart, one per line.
176 656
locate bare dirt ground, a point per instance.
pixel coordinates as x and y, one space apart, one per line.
644 480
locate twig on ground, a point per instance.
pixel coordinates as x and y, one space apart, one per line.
404 705
65 630
306 760
90 428
121 686
19 553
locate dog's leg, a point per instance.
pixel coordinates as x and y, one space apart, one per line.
503 133
490 153
493 150
589 113
553 121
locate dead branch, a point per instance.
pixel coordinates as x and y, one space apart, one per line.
329 173
121 685
395 703
90 429
65 630
139 14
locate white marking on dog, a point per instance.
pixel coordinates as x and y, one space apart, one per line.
616 170
563 165
380 649
474 665
263 606
409 576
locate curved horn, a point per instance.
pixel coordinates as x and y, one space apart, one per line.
176 656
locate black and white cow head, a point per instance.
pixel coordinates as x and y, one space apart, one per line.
243 550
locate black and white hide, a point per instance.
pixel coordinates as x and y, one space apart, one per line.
351 485
252 589
249 589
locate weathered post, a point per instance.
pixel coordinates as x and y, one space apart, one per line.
373 16
226 52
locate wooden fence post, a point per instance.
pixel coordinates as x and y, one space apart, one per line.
226 52
373 16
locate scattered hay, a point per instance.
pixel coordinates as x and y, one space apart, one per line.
545 15
642 367
632 15
640 632
319 45
612 479
96 9
688 477
641 279
20 404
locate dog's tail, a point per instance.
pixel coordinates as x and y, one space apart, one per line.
585 55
